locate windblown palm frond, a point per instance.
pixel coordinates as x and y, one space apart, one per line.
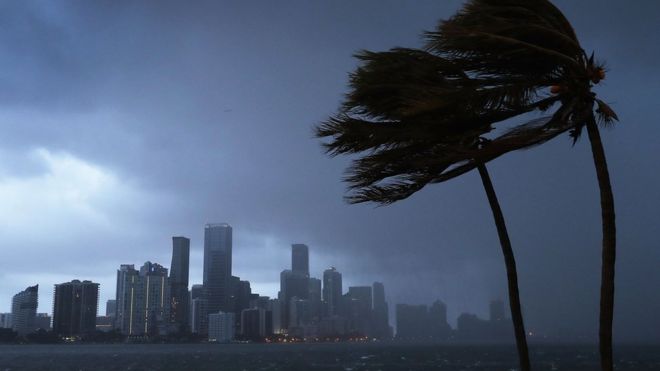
421 114
514 38
419 117
524 47
493 60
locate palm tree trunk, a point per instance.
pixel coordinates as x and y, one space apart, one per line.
511 272
609 246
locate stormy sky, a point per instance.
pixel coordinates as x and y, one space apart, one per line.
126 123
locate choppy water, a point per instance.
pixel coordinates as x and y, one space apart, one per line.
342 357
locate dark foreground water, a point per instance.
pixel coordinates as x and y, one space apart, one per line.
379 356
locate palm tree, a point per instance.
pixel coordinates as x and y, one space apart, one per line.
424 116
407 108
525 50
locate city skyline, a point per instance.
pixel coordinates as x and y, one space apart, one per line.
295 256
299 255
107 292
131 281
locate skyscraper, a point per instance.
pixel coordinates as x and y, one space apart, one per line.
256 323
5 320
75 305
499 327
437 322
381 327
315 299
292 285
196 291
239 298
124 295
142 299
199 316
217 266
332 291
179 303
275 307
300 259
111 308
24 310
358 309
299 315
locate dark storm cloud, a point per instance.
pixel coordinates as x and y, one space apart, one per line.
191 113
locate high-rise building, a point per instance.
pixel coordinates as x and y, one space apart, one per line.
299 313
300 259
5 320
439 328
380 323
199 316
196 324
275 307
111 308
295 283
217 266
239 298
315 300
500 328
125 295
196 291
292 284
332 292
241 293
179 303
143 300
358 309
24 310
256 324
221 327
75 305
